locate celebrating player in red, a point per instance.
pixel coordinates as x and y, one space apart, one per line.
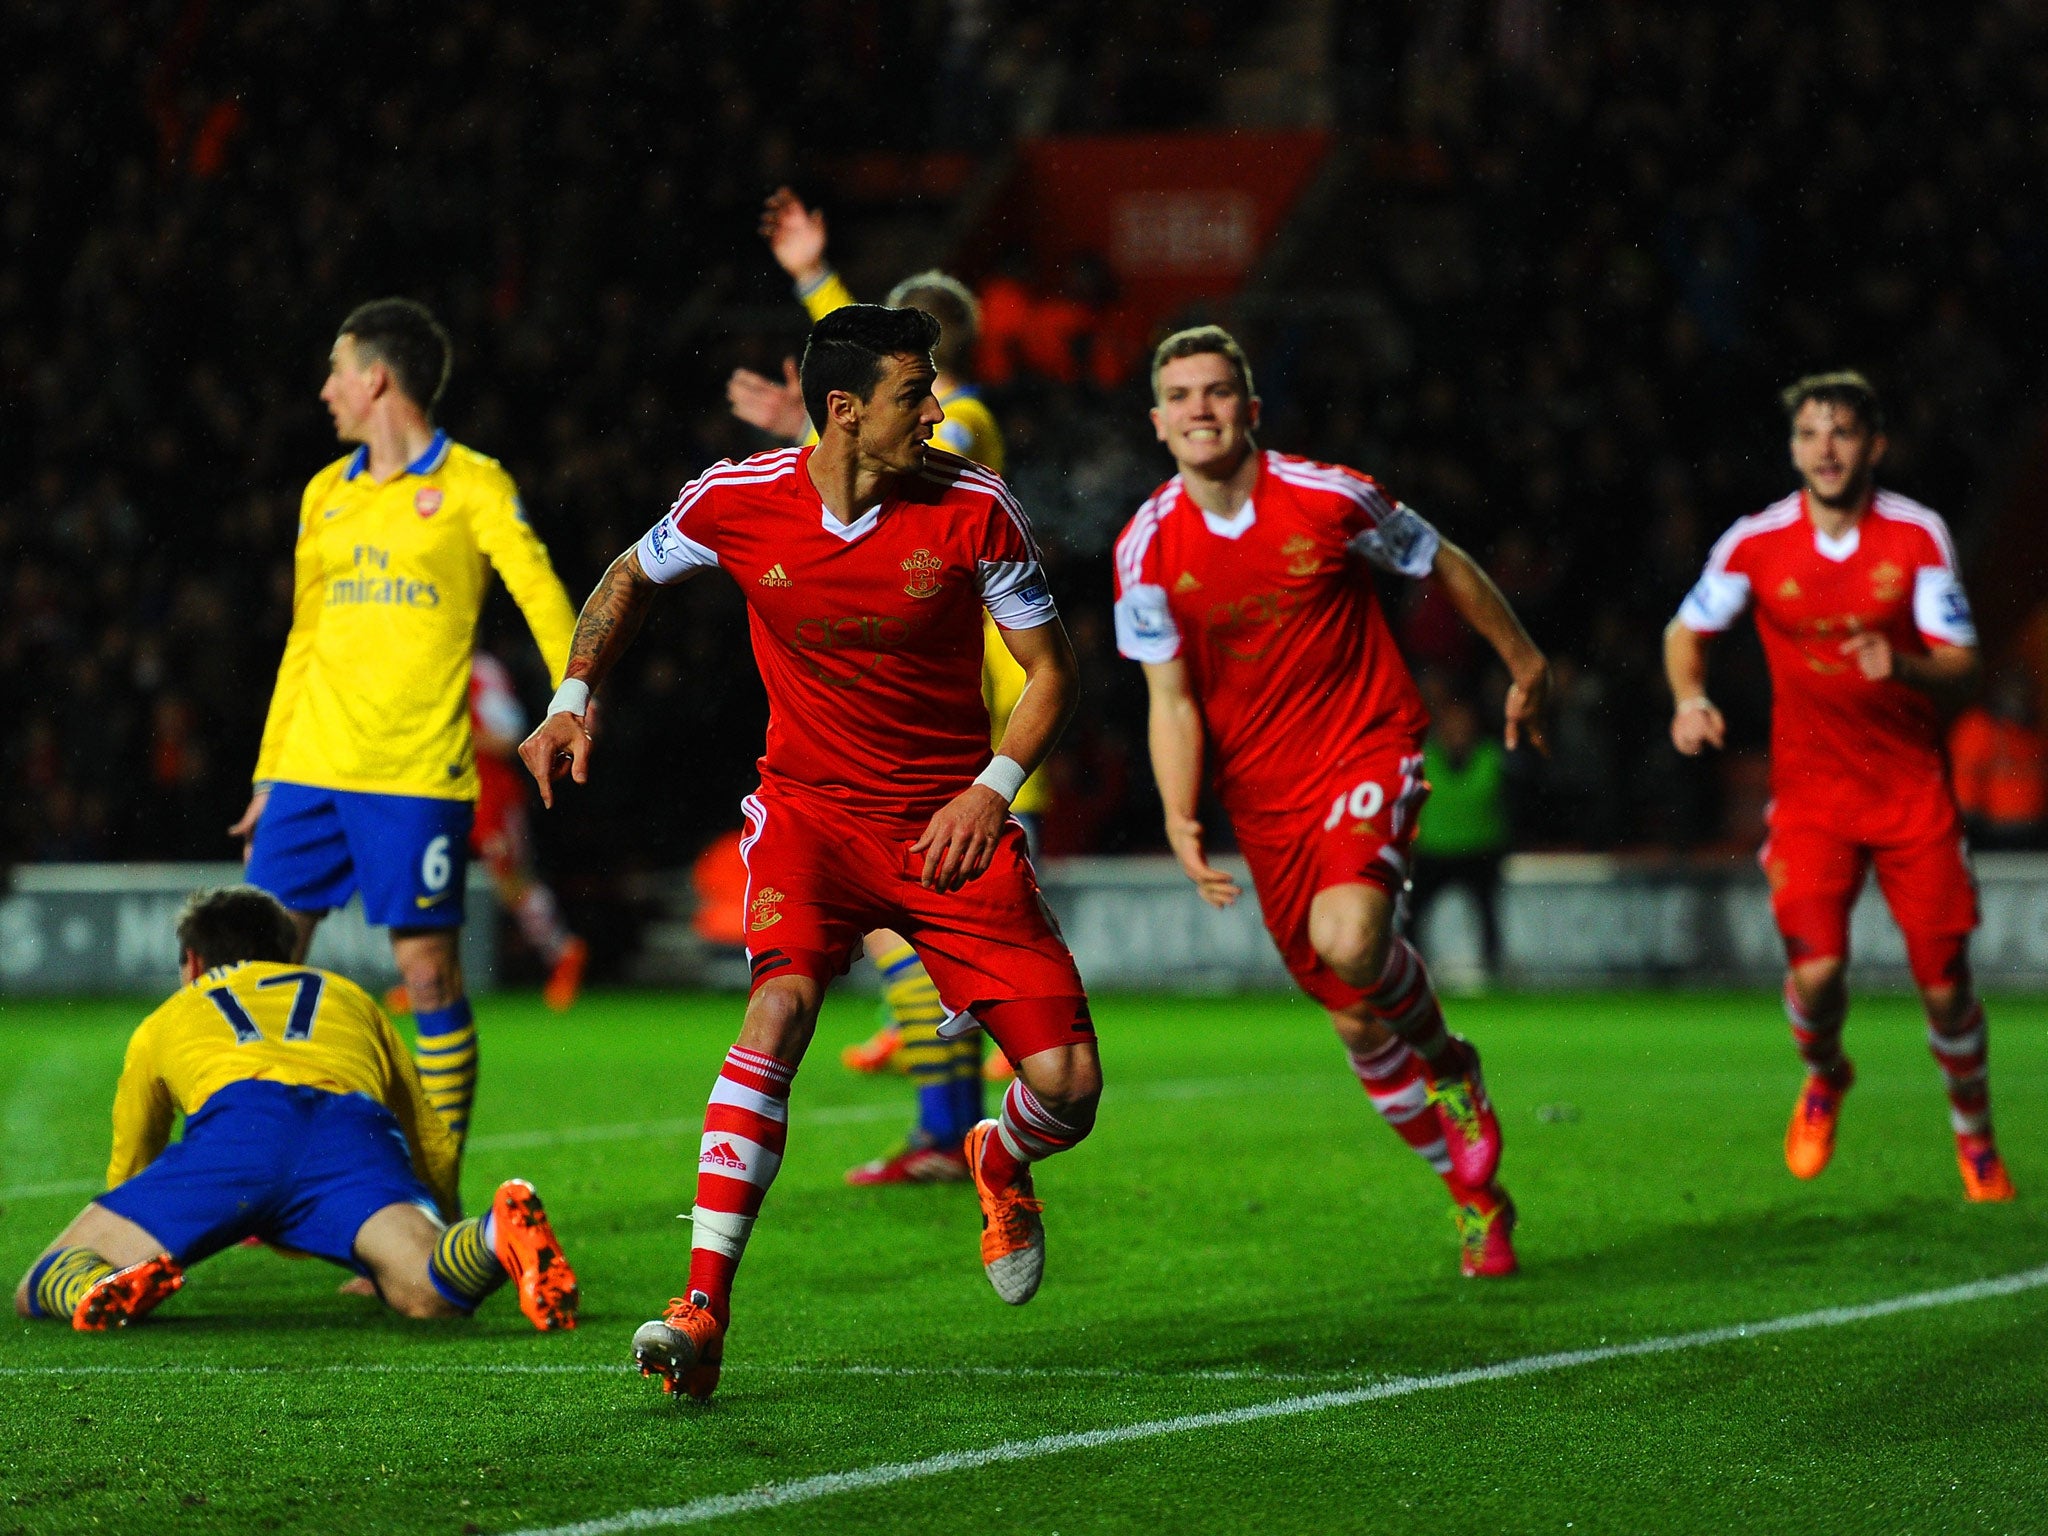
867 563
1242 588
1869 640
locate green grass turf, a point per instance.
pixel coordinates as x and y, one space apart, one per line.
1240 1229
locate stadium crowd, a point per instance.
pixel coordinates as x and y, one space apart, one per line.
1563 347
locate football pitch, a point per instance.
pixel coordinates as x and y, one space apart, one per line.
1252 1318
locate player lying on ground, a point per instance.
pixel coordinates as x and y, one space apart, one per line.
1243 588
305 1126
1870 642
948 1072
366 780
867 563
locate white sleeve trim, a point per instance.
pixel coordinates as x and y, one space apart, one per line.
1145 630
1015 594
668 554
1403 543
1716 601
1941 611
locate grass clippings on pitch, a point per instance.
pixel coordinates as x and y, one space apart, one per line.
1241 1230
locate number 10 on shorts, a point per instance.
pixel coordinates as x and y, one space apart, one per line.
1361 804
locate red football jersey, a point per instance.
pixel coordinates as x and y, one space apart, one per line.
1836 735
868 635
1287 651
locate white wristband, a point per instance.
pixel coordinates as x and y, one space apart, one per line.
1003 775
1697 701
573 697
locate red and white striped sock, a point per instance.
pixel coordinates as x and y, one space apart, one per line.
746 1126
1026 1131
1817 1034
1963 1055
1393 1079
1404 1001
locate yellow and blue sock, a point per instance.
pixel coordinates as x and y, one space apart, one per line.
465 1267
446 1053
941 1069
60 1280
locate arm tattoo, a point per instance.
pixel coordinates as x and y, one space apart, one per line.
610 619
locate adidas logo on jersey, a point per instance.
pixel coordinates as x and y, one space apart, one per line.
776 576
723 1155
1187 583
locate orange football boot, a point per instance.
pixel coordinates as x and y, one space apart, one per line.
1984 1176
565 981
119 1299
398 1001
875 1053
526 1245
1485 1220
1810 1139
685 1347
997 1068
1012 1233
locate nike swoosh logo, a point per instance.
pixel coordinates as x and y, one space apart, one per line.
429 901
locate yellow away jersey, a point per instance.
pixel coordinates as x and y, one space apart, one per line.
373 691
283 1024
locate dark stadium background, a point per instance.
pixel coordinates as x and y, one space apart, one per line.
1562 259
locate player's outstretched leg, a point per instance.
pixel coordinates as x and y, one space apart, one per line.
746 1126
1817 1005
1406 1003
1396 1084
513 1240
1962 1051
77 1283
1049 1108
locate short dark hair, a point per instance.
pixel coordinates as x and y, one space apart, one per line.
1198 341
235 922
950 302
404 336
846 350
1845 387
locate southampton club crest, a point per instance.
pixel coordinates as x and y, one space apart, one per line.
764 911
923 569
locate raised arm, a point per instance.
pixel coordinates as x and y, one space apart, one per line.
611 617
1480 604
1174 733
1695 723
960 840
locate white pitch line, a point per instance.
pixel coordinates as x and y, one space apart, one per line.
1172 1090
888 1474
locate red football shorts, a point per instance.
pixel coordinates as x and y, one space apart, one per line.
1816 867
1359 835
820 878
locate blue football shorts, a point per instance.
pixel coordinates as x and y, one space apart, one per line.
407 854
299 1167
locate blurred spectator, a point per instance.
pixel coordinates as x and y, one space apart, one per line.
1463 835
2000 763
